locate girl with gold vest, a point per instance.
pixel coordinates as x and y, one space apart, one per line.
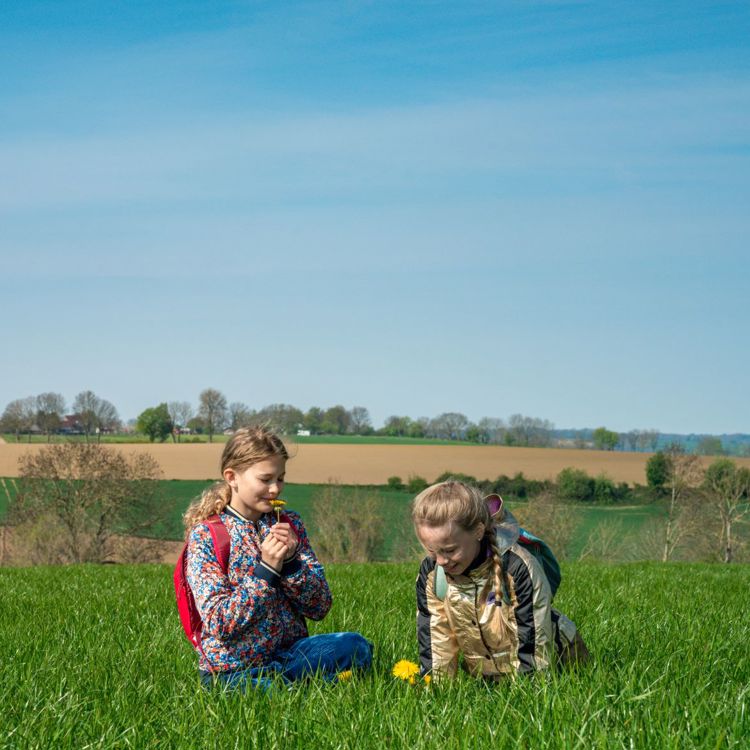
481 593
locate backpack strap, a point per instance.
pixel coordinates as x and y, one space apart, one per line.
222 543
441 583
542 551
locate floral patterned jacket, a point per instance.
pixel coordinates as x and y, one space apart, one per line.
252 611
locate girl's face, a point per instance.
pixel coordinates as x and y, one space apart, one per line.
452 547
253 488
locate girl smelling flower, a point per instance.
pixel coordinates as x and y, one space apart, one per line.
254 614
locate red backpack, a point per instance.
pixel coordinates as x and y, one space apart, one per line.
189 615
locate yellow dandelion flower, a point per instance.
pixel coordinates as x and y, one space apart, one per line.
427 679
406 670
344 676
278 504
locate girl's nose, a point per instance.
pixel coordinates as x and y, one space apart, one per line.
441 560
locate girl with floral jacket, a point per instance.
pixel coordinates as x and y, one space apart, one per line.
254 615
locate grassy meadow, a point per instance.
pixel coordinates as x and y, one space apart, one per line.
395 506
93 657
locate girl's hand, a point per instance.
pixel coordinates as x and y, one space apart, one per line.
283 532
273 551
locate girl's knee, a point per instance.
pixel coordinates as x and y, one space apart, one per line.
358 648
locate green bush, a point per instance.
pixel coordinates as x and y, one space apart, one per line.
605 490
575 485
457 476
657 471
395 483
416 484
517 486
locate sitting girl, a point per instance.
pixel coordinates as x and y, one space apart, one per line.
492 601
254 613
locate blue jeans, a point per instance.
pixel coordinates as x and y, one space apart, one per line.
324 655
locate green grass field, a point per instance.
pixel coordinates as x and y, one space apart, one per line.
93 657
179 493
129 438
375 440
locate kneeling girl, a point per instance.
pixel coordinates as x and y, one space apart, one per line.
491 602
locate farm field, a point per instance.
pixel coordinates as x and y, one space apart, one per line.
94 657
373 464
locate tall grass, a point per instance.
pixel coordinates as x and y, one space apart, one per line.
93 657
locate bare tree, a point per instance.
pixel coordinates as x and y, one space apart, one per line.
283 418
528 431
492 429
213 411
630 440
552 520
684 475
180 412
85 407
85 497
50 409
359 420
727 489
646 440
606 541
95 414
109 419
449 426
348 524
19 417
240 415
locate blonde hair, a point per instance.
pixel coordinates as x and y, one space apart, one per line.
248 446
461 504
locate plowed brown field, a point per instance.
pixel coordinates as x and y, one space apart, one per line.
373 464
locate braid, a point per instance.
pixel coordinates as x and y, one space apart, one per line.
497 563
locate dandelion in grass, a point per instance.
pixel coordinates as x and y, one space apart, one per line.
277 504
344 676
406 671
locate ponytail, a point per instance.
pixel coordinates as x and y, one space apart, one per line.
210 503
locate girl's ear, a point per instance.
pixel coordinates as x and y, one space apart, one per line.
229 476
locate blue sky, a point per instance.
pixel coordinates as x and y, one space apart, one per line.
491 208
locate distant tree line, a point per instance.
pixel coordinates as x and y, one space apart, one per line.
93 416
47 414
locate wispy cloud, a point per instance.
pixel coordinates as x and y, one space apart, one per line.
519 143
